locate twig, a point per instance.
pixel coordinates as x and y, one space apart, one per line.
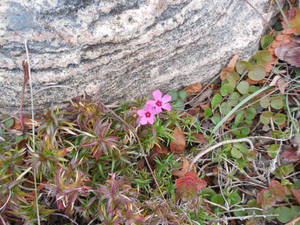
274 161
33 131
265 21
238 106
141 147
2 220
282 13
247 217
7 200
294 221
215 204
202 153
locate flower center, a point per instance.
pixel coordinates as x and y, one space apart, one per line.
159 103
147 114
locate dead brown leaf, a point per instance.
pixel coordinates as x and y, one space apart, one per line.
27 123
254 81
160 149
230 67
193 89
280 83
184 168
178 145
199 137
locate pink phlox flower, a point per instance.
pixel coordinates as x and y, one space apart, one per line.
160 102
146 115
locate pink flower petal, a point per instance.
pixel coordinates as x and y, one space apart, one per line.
143 120
166 98
157 94
141 112
166 106
150 103
151 119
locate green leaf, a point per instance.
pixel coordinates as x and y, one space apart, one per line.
225 108
272 150
242 147
9 123
295 209
257 73
239 118
245 131
297 184
173 94
217 198
264 102
277 102
234 198
226 89
243 87
208 112
242 66
285 214
235 153
250 113
178 105
262 57
216 100
266 41
279 118
182 94
265 117
253 88
208 193
234 98
216 119
241 212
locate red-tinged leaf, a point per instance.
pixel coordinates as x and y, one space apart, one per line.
290 53
193 89
296 194
189 185
278 191
290 156
178 145
184 169
264 199
268 197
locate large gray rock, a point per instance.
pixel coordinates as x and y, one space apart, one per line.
120 48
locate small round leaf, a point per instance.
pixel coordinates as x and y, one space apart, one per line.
235 153
265 117
279 118
243 87
264 102
216 100
276 102
257 73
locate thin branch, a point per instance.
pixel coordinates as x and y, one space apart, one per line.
265 21
33 131
202 153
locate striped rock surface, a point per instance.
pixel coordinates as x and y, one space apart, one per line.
120 49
